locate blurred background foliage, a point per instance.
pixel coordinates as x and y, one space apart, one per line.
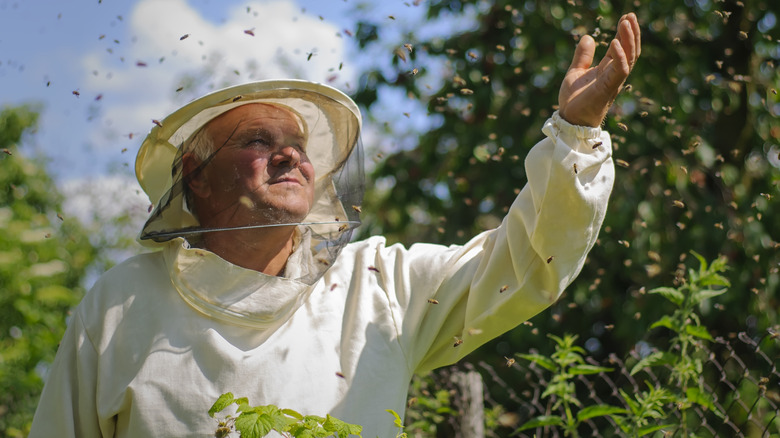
695 134
44 257
696 137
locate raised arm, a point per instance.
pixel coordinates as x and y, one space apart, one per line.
587 92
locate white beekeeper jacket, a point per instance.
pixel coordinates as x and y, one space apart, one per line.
149 349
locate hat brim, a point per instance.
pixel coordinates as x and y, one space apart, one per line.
333 121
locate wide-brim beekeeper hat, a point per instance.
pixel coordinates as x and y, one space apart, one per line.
332 123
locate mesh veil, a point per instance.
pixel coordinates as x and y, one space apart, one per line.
330 125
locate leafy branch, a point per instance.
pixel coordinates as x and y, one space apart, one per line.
259 421
683 356
566 363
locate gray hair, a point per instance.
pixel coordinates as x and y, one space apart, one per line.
202 146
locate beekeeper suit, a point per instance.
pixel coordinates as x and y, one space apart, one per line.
256 289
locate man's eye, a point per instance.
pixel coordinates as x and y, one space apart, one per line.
258 142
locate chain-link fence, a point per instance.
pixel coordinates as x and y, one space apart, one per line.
739 373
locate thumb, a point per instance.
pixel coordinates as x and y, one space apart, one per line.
583 54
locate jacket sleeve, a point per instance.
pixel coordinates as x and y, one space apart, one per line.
67 405
504 276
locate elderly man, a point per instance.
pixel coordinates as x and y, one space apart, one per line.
257 291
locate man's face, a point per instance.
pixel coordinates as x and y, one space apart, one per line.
260 173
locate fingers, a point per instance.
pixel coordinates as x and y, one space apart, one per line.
583 54
614 66
630 37
637 34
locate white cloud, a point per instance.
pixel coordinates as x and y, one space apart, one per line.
213 55
98 202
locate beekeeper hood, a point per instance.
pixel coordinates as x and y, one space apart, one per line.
329 125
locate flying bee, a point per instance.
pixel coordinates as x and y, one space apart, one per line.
550 259
678 204
622 163
250 32
509 361
503 288
237 98
432 301
157 122
184 37
408 47
7 152
340 374
575 168
342 228
357 208
458 341
333 286
373 268
76 93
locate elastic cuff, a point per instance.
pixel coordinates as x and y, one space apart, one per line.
580 132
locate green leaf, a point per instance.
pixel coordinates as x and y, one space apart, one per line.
698 331
653 359
666 321
253 425
243 404
398 422
341 428
633 405
670 294
705 294
599 411
222 402
540 421
540 360
558 388
701 259
695 395
298 431
291 413
650 429
580 370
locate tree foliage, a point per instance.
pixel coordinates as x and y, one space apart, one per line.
695 136
43 259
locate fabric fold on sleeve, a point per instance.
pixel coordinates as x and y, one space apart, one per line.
505 276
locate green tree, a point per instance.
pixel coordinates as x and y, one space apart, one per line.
43 259
696 139
695 134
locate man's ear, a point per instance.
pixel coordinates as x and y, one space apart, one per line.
194 176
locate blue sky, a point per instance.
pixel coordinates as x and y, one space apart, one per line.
126 59
102 70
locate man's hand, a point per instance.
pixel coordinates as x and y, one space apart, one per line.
587 92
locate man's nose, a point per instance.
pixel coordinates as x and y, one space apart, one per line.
286 156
